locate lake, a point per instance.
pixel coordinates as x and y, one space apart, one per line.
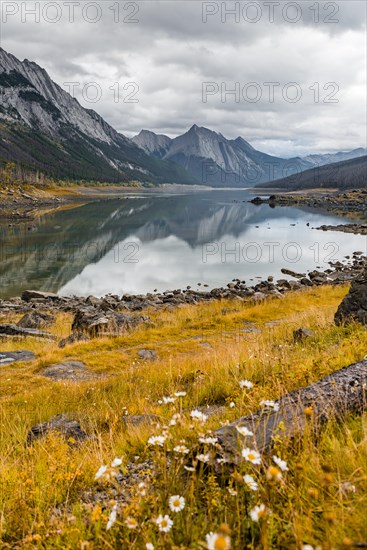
142 242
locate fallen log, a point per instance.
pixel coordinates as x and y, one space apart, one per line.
14 330
342 392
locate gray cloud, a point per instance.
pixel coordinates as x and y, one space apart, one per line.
171 52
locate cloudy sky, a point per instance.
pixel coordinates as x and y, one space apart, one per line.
297 70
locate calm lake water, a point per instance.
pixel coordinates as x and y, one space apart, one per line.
136 244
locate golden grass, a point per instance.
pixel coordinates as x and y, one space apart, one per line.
204 351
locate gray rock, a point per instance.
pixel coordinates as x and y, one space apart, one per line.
354 306
36 320
70 429
302 334
8 357
73 338
147 354
29 295
73 371
136 420
96 323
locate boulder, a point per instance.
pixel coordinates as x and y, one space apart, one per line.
302 334
73 371
7 357
29 295
147 354
105 323
354 306
73 338
35 319
70 429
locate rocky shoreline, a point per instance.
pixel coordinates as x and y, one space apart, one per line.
113 315
349 203
18 204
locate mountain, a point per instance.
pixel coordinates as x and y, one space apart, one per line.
348 174
215 160
329 158
153 144
45 128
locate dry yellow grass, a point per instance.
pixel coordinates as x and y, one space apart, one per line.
204 351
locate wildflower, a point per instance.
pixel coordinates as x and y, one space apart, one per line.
274 473
198 415
167 400
174 419
251 455
181 449
223 460
245 384
157 440
164 523
203 458
258 512
116 462
131 523
232 404
176 503
232 492
250 482
142 489
307 547
218 541
281 463
189 468
244 431
180 394
269 405
112 518
101 472
149 546
208 440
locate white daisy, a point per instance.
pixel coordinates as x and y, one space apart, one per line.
218 541
116 462
112 518
167 400
208 440
157 440
250 482
198 415
131 523
281 463
180 394
245 384
203 457
232 404
258 512
176 503
274 473
251 455
101 472
181 449
164 523
149 546
244 431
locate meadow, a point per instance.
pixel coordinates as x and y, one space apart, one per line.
149 483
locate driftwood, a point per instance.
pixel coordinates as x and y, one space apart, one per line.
344 391
14 330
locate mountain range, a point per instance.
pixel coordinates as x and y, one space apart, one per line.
42 127
215 160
